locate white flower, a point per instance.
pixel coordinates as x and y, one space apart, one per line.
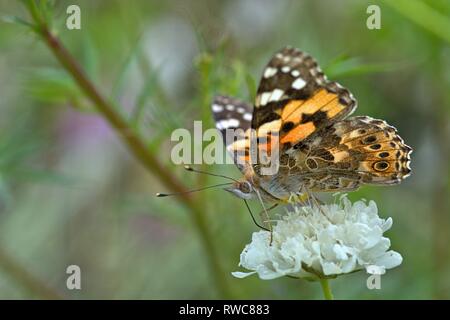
322 242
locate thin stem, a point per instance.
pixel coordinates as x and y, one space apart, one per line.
26 279
134 143
328 295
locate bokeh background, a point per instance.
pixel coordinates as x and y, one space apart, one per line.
71 192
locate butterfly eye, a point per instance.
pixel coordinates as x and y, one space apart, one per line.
245 187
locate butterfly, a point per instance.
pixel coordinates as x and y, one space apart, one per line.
319 147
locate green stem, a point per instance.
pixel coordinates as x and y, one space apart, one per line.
26 279
134 143
328 295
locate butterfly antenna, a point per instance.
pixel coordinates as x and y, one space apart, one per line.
160 195
253 217
189 168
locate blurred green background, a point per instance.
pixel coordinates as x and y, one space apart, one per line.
72 193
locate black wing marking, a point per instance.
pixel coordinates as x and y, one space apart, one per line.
233 117
231 113
293 75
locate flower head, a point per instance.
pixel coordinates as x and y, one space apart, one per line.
325 241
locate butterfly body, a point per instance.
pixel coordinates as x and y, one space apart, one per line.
302 118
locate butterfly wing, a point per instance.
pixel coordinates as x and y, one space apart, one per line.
319 148
233 119
354 151
296 99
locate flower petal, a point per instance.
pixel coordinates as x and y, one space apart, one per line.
242 275
335 239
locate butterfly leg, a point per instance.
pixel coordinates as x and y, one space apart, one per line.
315 202
303 196
266 218
267 221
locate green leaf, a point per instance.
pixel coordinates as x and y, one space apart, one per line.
346 67
120 81
151 85
251 86
89 57
16 20
46 7
424 16
54 86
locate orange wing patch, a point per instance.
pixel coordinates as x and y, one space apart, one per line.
299 133
292 110
300 118
240 151
322 100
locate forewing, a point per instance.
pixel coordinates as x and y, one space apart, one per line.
295 98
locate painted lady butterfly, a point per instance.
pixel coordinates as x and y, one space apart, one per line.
320 149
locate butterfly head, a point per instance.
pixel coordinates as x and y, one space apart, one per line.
242 189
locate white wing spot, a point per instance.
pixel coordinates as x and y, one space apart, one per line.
265 98
298 83
269 72
313 72
227 123
276 95
230 107
233 123
240 110
286 69
408 165
217 108
247 116
295 73
286 59
320 82
339 86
